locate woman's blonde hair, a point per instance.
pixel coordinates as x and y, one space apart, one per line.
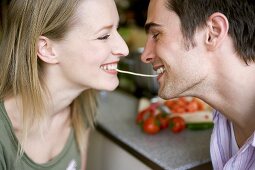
21 72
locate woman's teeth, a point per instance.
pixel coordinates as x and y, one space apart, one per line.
109 67
160 70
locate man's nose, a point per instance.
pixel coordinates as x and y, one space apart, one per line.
148 54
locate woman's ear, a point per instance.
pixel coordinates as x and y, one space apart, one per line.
217 30
45 50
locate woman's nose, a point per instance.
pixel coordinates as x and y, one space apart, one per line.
120 48
148 53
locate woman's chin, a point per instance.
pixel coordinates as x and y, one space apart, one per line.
110 87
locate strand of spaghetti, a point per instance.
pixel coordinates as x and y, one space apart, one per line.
136 74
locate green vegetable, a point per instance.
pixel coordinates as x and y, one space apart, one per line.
199 126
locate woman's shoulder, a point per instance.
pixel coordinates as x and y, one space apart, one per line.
2 114
5 126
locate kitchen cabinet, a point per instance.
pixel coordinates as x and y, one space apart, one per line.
104 154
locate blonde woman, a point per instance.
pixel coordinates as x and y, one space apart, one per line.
53 54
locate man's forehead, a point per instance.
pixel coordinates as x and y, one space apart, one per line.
157 11
156 4
157 7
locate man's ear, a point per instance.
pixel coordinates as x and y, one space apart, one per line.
217 30
45 50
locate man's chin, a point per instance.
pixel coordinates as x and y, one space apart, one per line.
167 94
162 93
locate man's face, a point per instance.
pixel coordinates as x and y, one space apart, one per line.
182 70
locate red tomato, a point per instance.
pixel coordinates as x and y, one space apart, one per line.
192 106
147 112
151 125
177 124
178 109
163 120
182 102
141 116
200 103
170 103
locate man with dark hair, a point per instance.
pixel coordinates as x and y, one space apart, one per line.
206 49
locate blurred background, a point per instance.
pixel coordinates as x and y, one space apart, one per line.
133 15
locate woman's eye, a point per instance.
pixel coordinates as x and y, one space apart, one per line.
104 37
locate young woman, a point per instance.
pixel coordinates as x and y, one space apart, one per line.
53 54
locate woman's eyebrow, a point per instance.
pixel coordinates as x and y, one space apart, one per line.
107 27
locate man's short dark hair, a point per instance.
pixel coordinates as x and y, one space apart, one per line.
240 13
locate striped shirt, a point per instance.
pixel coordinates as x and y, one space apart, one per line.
225 153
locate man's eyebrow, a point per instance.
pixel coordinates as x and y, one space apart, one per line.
148 26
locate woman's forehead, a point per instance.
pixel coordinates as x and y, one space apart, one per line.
94 12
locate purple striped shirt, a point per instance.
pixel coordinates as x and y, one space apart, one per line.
225 153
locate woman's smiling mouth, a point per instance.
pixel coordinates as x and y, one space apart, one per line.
110 67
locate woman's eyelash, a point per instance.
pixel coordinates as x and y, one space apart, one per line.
104 37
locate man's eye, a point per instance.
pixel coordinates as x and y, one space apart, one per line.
104 37
155 36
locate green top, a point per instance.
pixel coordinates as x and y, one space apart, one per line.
67 159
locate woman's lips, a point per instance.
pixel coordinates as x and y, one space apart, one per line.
110 68
113 72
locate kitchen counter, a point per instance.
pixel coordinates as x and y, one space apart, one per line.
165 150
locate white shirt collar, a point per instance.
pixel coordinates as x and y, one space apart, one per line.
253 141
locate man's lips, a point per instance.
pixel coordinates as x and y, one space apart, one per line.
159 69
